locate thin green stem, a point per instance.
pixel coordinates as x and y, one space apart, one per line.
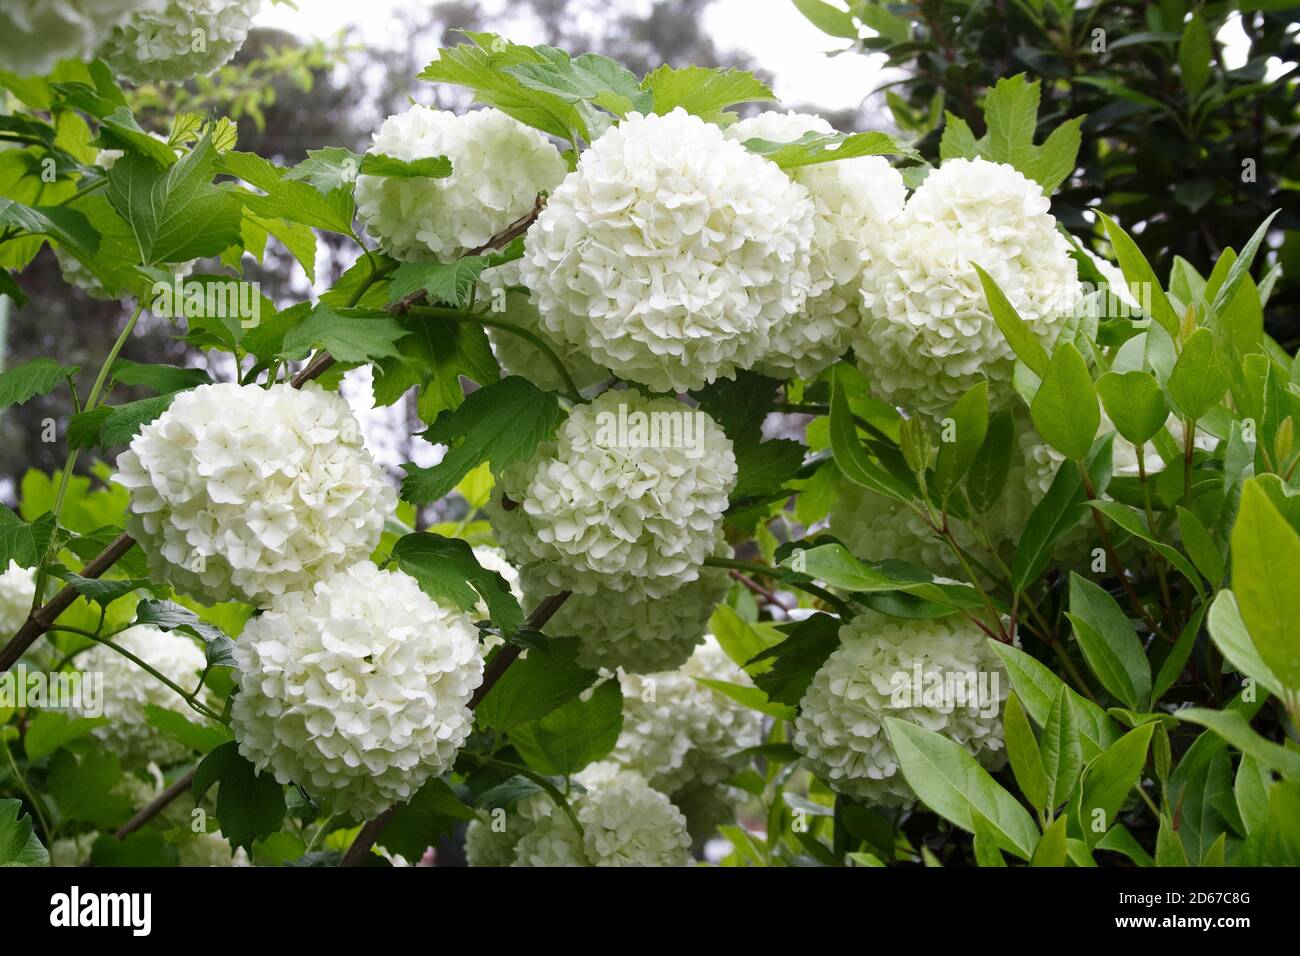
320 833
70 461
21 780
551 789
842 607
190 699
431 311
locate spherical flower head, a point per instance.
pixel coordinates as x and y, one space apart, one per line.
678 732
357 690
179 40
929 334
498 166
626 822
671 253
17 592
128 690
494 838
853 199
640 635
502 287
553 841
629 497
36 34
73 850
244 493
210 849
914 670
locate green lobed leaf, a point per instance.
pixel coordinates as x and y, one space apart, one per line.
480 66
589 78
36 377
68 226
19 844
573 735
447 570
796 659
702 91
535 685
500 423
349 335
250 805
814 148
426 167
176 214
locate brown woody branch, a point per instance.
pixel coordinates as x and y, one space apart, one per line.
157 806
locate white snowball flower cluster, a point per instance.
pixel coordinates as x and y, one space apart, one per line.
672 253
628 497
36 34
929 334
357 690
73 850
17 591
127 690
245 493
678 732
853 199
552 842
625 822
636 634
498 165
179 40
840 729
515 353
